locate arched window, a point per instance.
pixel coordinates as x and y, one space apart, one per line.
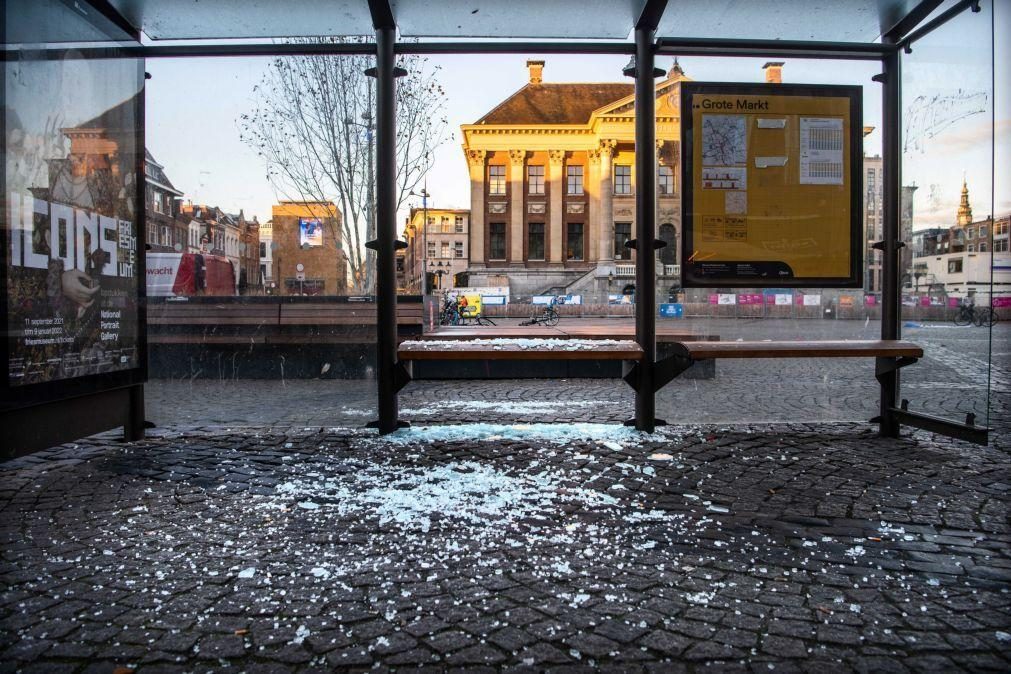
669 253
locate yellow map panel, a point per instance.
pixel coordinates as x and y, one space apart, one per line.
771 200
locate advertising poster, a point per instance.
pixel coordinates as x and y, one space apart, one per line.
772 185
71 220
310 232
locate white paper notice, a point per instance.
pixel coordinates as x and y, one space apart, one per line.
821 151
726 299
783 299
736 203
724 178
812 300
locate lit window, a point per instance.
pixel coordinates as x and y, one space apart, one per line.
444 251
496 179
622 179
535 179
574 180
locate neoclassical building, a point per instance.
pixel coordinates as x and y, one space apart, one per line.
552 176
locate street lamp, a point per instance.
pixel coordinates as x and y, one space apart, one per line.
424 233
438 273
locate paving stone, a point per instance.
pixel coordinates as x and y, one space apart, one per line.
118 553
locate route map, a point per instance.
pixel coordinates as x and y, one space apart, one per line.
724 140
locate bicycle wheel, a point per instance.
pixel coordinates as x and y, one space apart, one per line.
986 317
552 319
963 318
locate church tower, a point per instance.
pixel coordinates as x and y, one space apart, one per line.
964 210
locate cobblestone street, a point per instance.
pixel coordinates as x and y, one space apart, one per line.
260 529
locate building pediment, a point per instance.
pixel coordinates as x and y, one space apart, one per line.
667 102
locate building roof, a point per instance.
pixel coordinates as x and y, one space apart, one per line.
564 103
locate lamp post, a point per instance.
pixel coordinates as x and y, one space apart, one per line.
424 235
438 273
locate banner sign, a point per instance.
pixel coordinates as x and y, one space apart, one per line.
310 232
71 207
772 185
671 310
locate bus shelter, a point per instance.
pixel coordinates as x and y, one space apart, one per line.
114 38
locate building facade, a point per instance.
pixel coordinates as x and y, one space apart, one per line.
969 260
437 254
306 253
552 177
166 231
874 222
266 245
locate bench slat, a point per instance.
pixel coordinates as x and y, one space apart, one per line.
511 351
801 349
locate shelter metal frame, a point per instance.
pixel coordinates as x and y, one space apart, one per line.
646 46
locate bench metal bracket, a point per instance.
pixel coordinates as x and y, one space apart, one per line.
403 373
883 365
665 370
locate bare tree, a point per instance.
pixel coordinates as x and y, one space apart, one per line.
313 122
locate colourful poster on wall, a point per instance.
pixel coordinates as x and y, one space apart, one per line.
71 210
771 185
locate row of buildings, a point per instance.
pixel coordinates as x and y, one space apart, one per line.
175 225
552 189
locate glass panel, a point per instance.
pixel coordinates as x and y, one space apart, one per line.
950 277
70 215
827 20
49 22
161 20
520 18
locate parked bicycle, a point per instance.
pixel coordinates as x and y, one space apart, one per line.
968 314
458 311
547 317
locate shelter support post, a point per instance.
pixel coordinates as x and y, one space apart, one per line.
389 378
890 245
645 226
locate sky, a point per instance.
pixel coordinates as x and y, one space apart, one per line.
193 107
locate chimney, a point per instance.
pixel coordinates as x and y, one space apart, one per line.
774 72
536 69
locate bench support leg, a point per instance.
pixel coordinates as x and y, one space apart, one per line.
886 371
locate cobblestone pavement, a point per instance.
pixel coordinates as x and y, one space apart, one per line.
524 547
261 538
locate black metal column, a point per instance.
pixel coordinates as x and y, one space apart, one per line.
645 228
890 300
386 233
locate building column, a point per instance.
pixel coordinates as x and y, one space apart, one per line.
606 201
556 167
517 160
476 237
593 217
